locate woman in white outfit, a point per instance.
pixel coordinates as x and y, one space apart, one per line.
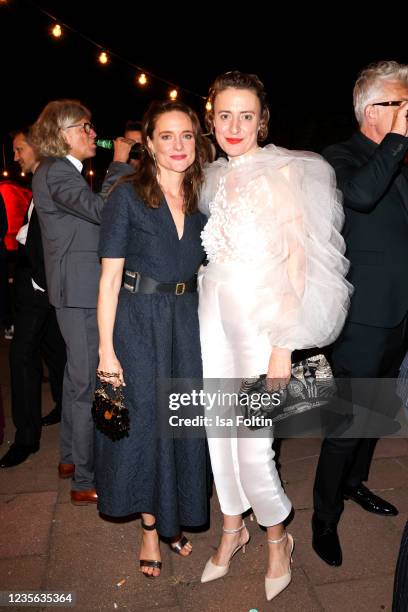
274 283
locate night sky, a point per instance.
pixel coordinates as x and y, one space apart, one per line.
308 70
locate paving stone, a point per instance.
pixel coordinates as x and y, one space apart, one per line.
240 594
300 493
398 497
388 472
299 470
292 449
391 447
36 474
368 595
402 461
26 521
22 572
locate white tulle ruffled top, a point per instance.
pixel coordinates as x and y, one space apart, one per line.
276 267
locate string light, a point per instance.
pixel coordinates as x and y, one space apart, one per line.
91 173
22 173
208 106
56 31
103 58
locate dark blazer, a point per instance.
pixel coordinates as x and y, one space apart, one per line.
374 184
70 215
34 251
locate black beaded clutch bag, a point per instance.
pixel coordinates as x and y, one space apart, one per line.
110 415
311 385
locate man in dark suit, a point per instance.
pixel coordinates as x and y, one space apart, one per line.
70 216
36 333
3 261
371 175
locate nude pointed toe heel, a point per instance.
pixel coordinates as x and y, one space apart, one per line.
213 571
274 586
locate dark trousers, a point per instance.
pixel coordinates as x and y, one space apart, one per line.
361 352
6 316
36 336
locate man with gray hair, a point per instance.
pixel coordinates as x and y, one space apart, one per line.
70 215
371 175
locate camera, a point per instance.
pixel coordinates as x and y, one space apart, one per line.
136 151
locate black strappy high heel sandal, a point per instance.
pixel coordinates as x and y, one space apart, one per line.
150 562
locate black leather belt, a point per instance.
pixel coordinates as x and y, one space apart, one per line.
133 282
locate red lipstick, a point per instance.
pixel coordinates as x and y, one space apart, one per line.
178 157
234 140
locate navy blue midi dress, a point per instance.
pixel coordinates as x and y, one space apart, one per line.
155 337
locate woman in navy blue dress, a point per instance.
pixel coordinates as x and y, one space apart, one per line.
149 331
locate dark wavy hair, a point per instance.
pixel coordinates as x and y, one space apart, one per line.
239 80
144 179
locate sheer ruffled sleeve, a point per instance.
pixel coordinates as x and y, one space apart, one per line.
303 295
212 175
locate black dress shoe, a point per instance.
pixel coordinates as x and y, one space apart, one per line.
326 542
52 417
16 454
370 502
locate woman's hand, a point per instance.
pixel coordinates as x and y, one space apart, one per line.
110 371
279 369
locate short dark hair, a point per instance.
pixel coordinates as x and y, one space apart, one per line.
132 126
25 130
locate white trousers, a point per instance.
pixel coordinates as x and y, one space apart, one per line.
242 461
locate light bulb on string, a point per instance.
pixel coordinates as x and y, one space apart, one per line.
56 31
22 173
208 106
5 173
103 58
90 173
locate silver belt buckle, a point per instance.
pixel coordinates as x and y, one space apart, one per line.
136 275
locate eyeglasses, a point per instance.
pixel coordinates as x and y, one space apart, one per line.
87 127
389 103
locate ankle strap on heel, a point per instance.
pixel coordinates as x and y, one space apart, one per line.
234 530
148 527
285 535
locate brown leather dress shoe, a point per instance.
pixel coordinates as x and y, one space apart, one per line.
66 470
82 498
